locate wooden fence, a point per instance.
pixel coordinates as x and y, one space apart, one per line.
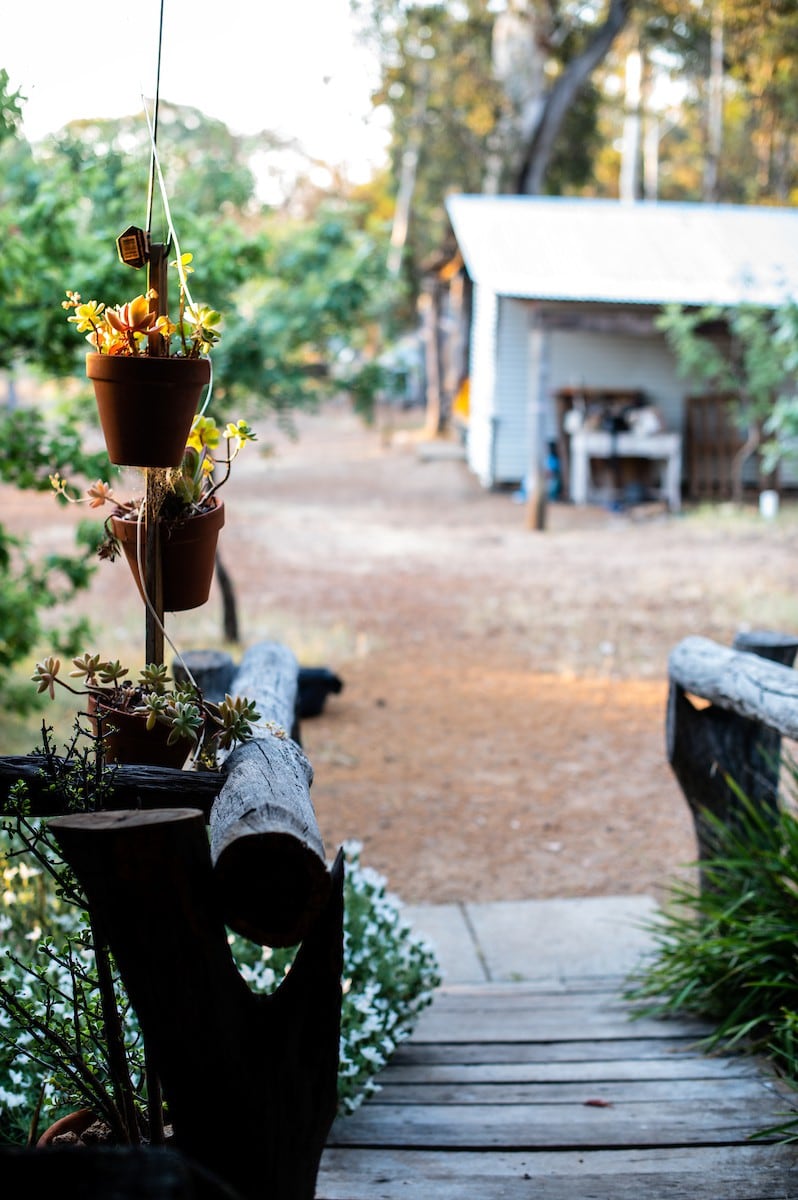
728 710
250 1081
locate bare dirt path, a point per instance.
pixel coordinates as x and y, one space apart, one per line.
500 734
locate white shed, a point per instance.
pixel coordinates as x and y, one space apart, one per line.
566 293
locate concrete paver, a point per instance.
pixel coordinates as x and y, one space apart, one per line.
537 940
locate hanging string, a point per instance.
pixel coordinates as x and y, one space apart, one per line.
181 270
154 127
156 173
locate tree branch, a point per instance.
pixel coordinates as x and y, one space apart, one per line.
538 151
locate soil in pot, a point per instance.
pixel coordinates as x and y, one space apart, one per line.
81 1127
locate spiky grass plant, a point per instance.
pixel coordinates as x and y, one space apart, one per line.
727 951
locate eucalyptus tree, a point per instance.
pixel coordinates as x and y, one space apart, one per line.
718 102
484 97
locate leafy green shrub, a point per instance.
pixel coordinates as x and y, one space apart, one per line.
30 584
55 1040
729 951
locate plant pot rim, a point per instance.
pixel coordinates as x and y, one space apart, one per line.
76 1122
107 366
215 508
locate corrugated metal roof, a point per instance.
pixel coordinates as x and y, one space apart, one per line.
621 252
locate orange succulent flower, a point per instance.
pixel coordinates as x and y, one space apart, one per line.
132 318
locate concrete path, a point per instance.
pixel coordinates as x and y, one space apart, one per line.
537 940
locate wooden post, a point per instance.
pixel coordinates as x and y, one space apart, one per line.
737 736
153 636
153 575
536 498
250 1081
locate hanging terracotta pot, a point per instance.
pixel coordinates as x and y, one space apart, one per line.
128 740
188 555
146 405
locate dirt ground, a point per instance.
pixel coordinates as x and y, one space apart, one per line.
500 732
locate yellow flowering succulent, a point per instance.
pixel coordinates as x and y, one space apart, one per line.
207 461
137 329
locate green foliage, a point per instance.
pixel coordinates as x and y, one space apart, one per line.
437 82
572 163
62 209
728 952
34 449
10 108
65 1023
747 351
305 307
309 321
31 586
27 590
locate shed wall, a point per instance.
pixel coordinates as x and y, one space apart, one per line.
574 358
510 452
482 385
604 360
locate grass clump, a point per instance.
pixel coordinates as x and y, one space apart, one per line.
727 951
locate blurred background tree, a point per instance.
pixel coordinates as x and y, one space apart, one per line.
656 99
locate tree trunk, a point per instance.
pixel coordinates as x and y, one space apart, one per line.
538 149
714 108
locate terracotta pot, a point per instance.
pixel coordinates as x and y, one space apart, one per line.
130 741
73 1123
188 555
146 405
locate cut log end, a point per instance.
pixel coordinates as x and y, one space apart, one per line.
114 820
272 888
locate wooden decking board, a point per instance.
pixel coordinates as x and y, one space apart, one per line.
445 1053
534 1016
731 1173
560 1126
567 1071
509 1091
650 1091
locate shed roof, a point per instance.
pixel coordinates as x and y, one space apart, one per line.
616 251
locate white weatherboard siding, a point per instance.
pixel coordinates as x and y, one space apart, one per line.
510 452
506 371
497 432
482 388
618 263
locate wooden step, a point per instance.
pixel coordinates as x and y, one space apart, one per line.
509 1090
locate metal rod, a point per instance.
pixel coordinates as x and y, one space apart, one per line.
153 579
